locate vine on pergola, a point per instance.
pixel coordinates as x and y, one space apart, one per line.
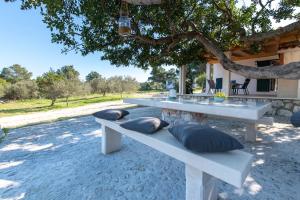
174 32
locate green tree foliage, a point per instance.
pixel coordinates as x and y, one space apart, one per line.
159 76
15 73
25 89
3 84
193 71
72 84
172 33
51 85
121 85
201 80
68 72
99 85
92 75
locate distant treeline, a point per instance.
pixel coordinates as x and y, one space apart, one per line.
16 83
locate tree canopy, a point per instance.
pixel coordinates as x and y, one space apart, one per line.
175 32
15 73
92 75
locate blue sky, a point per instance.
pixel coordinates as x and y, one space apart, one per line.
25 40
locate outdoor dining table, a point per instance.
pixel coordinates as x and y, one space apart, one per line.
179 110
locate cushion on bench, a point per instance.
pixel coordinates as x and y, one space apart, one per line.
295 119
147 125
111 114
199 138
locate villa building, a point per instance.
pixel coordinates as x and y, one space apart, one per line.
283 93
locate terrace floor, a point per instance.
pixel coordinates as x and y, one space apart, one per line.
62 161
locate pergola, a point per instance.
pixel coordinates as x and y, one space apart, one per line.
285 47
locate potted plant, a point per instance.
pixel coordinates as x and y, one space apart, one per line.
219 97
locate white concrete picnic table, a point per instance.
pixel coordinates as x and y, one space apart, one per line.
251 112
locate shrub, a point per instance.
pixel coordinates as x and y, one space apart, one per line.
26 89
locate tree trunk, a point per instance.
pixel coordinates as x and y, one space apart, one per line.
67 100
52 102
287 71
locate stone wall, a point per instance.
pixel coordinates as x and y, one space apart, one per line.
280 106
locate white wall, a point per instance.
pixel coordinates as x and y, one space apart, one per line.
290 88
219 72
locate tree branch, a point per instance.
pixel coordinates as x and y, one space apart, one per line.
263 36
287 71
263 7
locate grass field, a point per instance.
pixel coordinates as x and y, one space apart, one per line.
37 105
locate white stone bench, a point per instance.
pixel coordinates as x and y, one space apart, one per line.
201 170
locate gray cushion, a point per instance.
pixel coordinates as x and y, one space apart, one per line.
147 125
295 119
199 138
111 114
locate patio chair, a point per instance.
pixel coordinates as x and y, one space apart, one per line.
212 87
243 87
233 87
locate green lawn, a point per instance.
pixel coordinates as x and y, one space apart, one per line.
37 105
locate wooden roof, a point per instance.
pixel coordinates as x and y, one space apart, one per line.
269 47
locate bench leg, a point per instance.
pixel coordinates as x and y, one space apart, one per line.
251 131
199 185
111 140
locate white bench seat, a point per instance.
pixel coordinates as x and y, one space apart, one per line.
231 167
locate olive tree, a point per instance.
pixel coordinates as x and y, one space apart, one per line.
51 86
174 32
100 85
26 89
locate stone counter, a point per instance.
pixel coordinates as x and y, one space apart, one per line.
280 106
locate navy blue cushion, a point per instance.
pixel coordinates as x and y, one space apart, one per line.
295 119
147 125
111 114
199 138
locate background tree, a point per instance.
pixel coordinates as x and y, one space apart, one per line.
25 89
100 85
3 84
51 85
201 80
72 85
15 73
159 76
92 75
172 33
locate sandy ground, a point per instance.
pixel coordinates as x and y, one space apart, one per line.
62 161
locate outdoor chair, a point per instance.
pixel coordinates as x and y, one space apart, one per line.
212 87
243 87
233 86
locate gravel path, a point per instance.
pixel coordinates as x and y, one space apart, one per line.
62 161
38 117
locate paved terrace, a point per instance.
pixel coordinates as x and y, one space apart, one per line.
62 161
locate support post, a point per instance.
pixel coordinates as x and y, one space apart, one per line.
182 79
208 77
251 132
199 185
111 140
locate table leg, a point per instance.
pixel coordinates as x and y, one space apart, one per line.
111 140
177 116
251 132
199 185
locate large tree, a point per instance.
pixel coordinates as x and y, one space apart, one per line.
174 32
15 73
